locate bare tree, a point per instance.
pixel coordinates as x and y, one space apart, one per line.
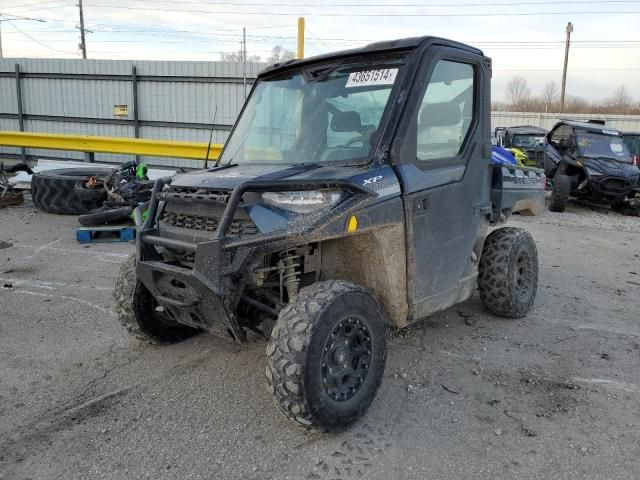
621 98
237 57
280 54
518 92
549 94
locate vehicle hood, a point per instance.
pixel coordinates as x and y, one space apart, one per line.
380 179
610 168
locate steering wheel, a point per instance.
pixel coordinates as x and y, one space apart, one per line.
360 138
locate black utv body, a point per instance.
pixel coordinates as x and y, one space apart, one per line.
354 193
528 138
590 161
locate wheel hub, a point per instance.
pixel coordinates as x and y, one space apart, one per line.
523 275
346 358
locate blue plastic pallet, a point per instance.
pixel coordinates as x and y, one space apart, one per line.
107 233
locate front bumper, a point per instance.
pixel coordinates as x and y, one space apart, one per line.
613 188
189 297
204 295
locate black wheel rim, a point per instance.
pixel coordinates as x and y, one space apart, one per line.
346 359
149 315
523 274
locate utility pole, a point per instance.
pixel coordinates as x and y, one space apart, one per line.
83 44
300 52
566 61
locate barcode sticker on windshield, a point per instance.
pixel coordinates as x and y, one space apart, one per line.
386 76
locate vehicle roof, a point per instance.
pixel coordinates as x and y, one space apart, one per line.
377 47
594 127
526 130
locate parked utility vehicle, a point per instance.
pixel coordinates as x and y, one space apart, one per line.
354 193
526 138
590 161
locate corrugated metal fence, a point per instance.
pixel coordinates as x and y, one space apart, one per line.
166 100
628 123
146 99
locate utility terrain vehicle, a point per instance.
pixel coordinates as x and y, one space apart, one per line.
590 161
354 193
527 138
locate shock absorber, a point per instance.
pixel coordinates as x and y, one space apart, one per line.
290 272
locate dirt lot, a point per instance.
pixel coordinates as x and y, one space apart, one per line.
465 394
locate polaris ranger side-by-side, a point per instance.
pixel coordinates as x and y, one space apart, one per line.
353 193
590 161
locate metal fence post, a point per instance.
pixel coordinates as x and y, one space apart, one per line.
23 150
136 118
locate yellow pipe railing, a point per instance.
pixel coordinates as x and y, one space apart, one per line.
122 145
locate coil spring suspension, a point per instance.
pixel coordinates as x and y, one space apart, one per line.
290 272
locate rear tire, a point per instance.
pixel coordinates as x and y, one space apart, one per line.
560 192
508 272
54 191
136 310
326 355
105 216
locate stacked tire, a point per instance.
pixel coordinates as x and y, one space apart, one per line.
63 191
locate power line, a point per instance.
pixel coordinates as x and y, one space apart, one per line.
395 5
37 41
39 9
335 14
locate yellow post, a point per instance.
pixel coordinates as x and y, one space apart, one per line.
300 37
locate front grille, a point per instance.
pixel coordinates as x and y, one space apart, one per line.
614 185
239 228
198 195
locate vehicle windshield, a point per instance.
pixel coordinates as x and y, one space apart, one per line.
527 141
321 113
593 144
633 144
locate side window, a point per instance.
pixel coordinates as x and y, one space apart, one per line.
446 111
561 136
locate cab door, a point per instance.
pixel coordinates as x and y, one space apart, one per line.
442 156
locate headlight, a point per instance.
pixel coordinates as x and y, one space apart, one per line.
304 201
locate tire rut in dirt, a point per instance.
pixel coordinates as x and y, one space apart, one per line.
55 191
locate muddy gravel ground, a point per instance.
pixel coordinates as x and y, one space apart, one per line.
465 394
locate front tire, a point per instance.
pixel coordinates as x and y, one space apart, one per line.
560 192
326 355
508 272
136 310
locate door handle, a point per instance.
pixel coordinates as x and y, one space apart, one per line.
420 206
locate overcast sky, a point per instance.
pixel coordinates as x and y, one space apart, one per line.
604 55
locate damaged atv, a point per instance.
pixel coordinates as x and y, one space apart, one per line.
590 162
353 194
